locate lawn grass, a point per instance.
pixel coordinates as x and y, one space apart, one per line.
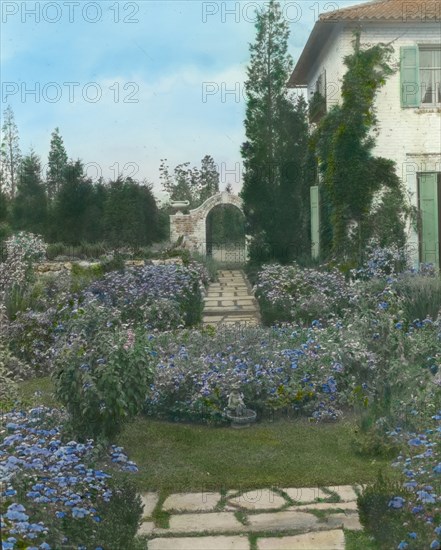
185 457
44 386
357 540
174 457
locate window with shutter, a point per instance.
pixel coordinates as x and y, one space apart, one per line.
429 191
420 76
410 93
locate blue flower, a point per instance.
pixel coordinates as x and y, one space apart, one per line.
435 545
415 442
396 502
426 497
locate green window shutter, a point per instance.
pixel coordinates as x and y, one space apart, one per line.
409 76
428 192
315 221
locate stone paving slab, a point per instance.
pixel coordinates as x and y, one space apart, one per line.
198 523
200 543
191 502
348 521
305 495
146 528
229 297
326 506
322 540
261 499
149 500
282 521
345 492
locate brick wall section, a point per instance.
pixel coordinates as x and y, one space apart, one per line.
192 226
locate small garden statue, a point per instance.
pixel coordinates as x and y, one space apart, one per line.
236 411
236 404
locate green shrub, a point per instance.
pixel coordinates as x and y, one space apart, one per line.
421 296
120 518
210 264
102 375
384 522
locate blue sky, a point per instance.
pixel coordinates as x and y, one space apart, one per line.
130 83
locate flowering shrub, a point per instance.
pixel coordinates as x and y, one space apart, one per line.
32 337
101 375
22 250
54 495
137 291
290 293
382 262
278 369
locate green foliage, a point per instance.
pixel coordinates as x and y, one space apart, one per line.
352 176
130 214
273 155
8 385
29 209
57 163
194 185
70 212
370 440
120 517
209 263
101 375
225 226
386 523
421 296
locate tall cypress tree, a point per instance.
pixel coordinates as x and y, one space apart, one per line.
57 162
10 153
276 132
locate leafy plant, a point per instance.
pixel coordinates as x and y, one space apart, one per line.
101 376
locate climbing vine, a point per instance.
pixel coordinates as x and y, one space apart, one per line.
352 178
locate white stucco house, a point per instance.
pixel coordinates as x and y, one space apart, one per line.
408 106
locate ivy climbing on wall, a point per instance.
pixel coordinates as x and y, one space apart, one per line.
352 179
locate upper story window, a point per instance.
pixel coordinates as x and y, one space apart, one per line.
420 71
317 103
430 75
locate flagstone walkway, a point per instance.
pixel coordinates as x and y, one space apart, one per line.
264 519
230 300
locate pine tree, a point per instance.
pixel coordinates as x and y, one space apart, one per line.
276 132
57 162
10 152
29 205
208 178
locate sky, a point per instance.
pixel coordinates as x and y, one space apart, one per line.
131 83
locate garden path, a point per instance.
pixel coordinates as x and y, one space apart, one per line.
264 519
230 300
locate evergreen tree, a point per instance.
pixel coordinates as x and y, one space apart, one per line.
70 208
208 178
274 152
130 214
57 162
10 153
29 207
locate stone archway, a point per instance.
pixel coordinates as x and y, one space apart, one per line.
192 227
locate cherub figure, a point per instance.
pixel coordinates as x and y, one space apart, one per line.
236 404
